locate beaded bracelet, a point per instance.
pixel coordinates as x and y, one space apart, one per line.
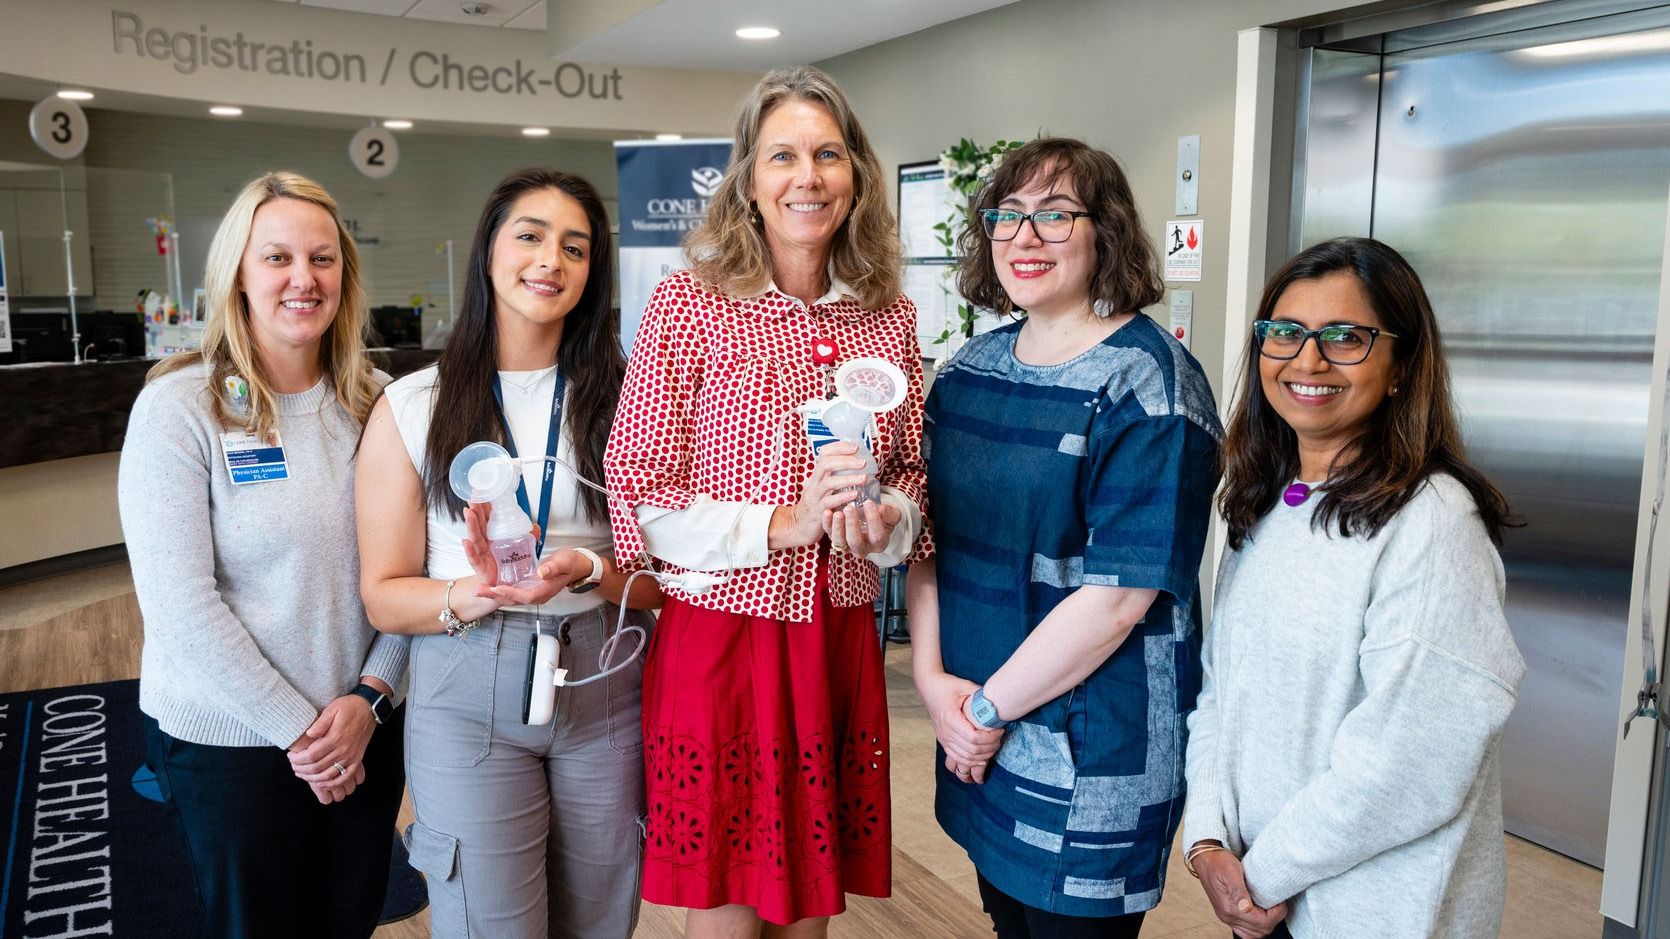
455 627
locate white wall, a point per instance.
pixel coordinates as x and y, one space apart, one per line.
436 193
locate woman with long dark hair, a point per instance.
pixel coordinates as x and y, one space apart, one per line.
1343 757
521 830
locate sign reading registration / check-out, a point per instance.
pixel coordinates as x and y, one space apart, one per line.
199 48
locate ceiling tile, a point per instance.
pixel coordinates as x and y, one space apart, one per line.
533 18
379 7
498 12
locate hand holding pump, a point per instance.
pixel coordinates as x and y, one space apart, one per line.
863 388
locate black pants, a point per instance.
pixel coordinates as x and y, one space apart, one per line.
269 860
1012 919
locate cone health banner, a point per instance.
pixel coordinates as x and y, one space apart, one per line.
665 187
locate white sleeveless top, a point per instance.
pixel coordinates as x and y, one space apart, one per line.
527 407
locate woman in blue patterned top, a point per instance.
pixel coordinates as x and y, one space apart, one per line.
1072 460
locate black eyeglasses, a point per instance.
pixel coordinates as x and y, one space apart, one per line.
1340 343
1052 225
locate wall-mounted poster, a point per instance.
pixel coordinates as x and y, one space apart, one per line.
929 275
664 191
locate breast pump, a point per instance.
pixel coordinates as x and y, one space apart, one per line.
485 471
863 389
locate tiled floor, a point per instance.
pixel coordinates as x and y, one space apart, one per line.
1549 896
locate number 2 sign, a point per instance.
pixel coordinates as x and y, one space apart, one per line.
374 152
58 127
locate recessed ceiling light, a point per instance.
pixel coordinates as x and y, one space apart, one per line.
398 125
758 32
536 131
669 136
471 8
71 94
225 110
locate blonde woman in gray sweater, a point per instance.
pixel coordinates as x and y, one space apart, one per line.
265 690
1343 757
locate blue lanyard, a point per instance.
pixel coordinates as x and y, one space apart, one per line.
551 439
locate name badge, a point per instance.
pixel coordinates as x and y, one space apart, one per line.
254 459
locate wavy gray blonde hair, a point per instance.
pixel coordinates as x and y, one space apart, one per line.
228 342
729 251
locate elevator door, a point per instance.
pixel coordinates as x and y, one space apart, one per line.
1525 177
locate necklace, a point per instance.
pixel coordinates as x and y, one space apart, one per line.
1296 494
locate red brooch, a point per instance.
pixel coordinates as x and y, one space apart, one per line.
824 351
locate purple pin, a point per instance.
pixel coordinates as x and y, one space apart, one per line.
1296 494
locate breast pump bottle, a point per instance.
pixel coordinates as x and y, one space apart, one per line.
486 472
863 388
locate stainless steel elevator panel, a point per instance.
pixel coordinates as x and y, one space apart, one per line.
1525 176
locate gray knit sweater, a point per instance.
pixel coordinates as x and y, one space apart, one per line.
1346 741
250 593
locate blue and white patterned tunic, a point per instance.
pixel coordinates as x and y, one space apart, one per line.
1099 470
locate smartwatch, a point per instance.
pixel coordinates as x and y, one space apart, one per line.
591 581
381 707
984 711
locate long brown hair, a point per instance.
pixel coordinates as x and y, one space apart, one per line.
1126 275
590 357
228 346
1410 436
729 252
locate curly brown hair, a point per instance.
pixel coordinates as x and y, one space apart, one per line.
1127 271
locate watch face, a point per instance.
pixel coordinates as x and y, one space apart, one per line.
585 587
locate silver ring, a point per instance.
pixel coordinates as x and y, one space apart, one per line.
340 769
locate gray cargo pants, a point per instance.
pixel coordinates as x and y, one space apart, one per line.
525 831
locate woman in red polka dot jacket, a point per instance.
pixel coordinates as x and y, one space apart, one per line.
765 708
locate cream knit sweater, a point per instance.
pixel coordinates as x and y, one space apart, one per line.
1346 740
250 593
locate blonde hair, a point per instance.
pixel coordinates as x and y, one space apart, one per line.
229 344
729 251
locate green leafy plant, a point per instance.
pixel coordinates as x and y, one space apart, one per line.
967 166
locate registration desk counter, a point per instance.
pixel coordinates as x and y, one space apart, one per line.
58 410
61 431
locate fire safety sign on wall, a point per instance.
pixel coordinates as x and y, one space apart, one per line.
1181 249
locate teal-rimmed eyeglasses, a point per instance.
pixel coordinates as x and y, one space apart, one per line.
1339 343
1052 225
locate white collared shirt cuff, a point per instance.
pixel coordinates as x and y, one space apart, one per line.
904 533
708 535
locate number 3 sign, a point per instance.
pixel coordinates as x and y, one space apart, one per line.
374 152
58 127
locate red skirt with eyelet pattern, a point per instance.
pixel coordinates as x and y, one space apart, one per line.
766 757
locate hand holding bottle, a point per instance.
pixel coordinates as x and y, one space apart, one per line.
552 575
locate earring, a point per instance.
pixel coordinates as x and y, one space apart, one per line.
754 214
1393 392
